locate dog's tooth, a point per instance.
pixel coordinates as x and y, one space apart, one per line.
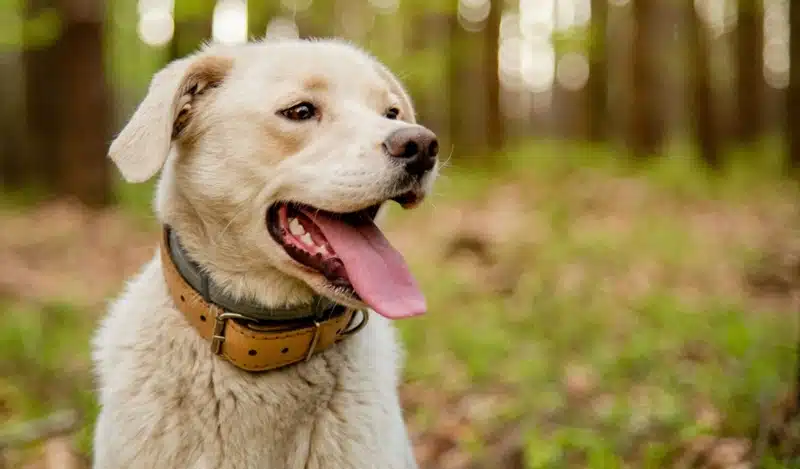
296 228
324 250
306 239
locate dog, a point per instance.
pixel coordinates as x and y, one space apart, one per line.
250 340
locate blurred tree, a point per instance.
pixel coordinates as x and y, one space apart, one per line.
193 19
619 74
495 129
597 86
571 105
646 128
84 112
456 68
429 37
67 108
12 126
793 93
471 77
703 120
750 77
40 60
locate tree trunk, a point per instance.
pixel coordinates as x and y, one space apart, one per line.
193 20
703 120
793 93
750 77
430 28
597 87
455 71
646 133
83 112
495 128
39 170
66 99
12 129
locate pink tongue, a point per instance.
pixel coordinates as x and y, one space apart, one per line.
376 270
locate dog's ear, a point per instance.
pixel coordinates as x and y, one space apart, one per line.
399 90
142 147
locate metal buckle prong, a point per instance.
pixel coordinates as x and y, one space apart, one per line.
218 336
312 347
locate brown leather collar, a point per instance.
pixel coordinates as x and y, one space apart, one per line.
248 344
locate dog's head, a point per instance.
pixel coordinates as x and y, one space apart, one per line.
277 157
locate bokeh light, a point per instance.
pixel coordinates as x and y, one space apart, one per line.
229 25
156 25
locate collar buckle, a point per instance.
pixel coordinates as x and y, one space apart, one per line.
312 347
218 336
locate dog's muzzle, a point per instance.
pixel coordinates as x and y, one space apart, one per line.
415 148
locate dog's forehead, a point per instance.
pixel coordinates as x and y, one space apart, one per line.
316 66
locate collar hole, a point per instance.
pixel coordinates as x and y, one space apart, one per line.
202 318
182 298
251 352
285 350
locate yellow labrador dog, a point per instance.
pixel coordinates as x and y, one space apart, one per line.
247 341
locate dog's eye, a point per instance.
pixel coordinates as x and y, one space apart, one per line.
300 112
392 113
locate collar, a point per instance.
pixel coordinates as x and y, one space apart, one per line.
249 335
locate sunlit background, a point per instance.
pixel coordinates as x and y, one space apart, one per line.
542 47
527 54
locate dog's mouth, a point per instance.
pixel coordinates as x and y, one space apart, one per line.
351 253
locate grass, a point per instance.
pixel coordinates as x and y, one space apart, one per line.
631 287
45 352
599 310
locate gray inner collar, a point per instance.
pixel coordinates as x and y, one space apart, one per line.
320 307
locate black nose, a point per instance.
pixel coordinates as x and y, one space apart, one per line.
416 147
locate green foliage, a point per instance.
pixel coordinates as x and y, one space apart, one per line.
475 340
131 63
137 200
44 352
36 32
574 39
199 10
418 70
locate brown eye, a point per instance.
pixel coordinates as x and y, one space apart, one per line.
392 113
300 112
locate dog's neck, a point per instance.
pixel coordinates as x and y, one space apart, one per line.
215 246
318 308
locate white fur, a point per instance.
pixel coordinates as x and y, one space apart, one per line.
167 401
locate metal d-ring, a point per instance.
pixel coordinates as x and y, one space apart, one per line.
364 320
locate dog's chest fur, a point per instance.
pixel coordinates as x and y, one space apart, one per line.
167 402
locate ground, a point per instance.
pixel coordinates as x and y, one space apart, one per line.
582 313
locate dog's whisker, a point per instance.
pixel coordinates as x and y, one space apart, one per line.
240 209
446 162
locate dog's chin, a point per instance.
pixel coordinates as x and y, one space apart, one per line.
309 256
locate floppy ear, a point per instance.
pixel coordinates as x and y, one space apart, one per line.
142 147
